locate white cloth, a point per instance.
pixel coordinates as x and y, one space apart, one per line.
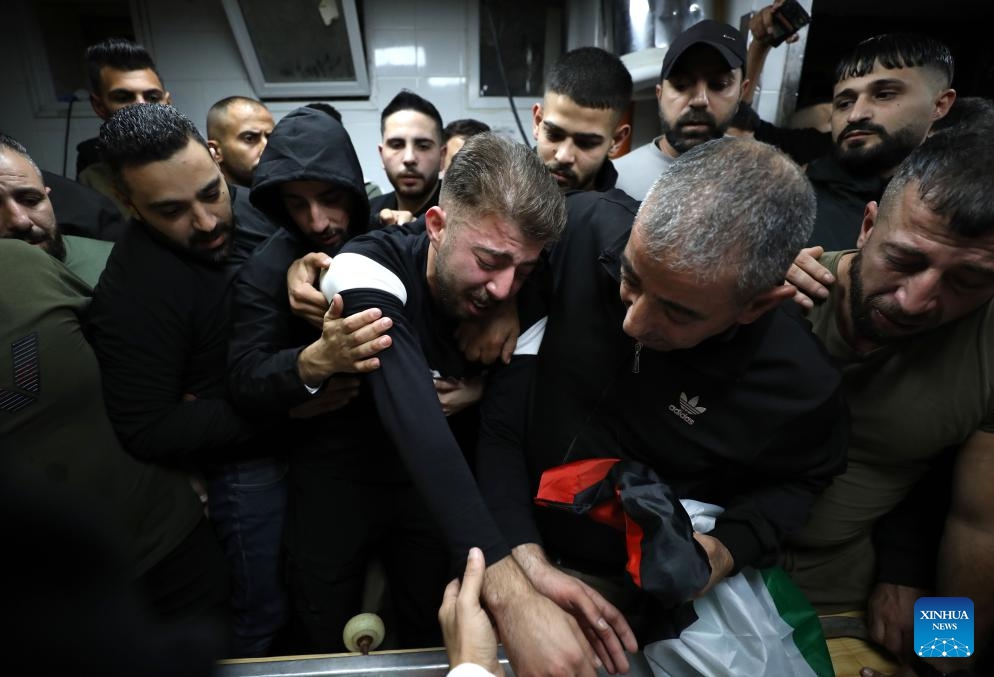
469 670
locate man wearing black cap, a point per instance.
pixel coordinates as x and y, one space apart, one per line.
700 86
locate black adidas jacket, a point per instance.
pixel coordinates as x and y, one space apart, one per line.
752 420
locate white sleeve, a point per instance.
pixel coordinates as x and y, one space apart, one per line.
469 670
530 339
355 271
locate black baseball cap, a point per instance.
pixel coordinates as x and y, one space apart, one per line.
727 40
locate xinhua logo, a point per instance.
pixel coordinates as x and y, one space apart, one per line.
944 627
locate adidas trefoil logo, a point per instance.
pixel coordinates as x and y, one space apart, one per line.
688 408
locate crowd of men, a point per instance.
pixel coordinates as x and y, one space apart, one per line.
263 379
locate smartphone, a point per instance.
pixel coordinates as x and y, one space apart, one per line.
788 18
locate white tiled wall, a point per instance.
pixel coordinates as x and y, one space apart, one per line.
419 44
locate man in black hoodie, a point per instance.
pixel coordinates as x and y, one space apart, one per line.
309 182
383 474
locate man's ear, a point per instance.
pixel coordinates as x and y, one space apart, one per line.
536 119
442 154
98 107
215 150
167 99
435 225
943 102
869 220
764 302
621 132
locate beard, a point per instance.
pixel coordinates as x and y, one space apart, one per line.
450 298
219 254
874 160
861 308
682 140
413 192
573 181
50 241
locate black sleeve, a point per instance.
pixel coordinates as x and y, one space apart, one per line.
411 414
803 145
143 347
502 466
785 481
262 357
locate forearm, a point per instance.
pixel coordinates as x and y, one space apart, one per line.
502 469
201 430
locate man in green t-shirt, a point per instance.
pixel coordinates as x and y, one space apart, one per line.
910 319
26 214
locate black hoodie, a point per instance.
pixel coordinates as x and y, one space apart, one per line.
306 145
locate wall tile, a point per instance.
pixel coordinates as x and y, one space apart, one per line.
389 14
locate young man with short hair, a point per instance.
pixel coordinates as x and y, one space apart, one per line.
121 73
160 326
578 123
412 152
888 91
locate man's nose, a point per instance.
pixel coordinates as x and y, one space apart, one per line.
920 294
699 95
500 285
14 217
203 219
316 215
566 152
860 110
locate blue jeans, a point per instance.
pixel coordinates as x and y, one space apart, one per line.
247 505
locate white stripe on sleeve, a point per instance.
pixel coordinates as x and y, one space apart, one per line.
355 271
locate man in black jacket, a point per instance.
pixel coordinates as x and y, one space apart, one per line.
888 92
160 327
693 371
578 123
412 152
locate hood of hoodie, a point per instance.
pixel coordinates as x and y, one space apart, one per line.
309 145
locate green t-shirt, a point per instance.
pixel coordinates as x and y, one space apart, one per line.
52 411
909 402
86 257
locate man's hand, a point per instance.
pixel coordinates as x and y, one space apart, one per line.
336 392
495 336
810 278
604 626
395 217
456 394
538 636
719 558
890 615
469 637
306 300
347 345
761 25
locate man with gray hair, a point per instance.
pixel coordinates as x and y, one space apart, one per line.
692 369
